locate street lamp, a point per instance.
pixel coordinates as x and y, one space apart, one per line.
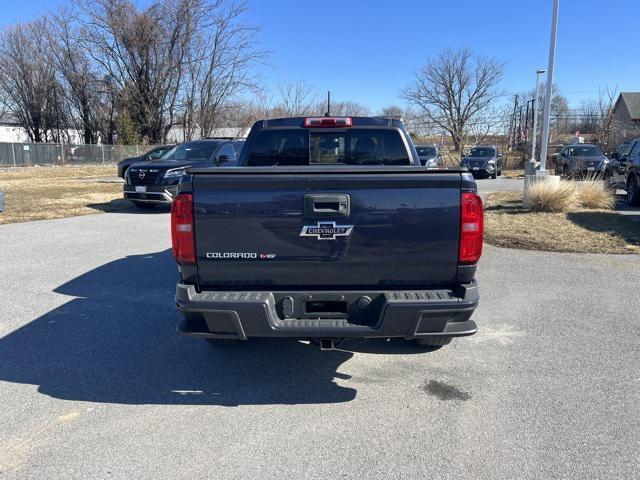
547 102
534 139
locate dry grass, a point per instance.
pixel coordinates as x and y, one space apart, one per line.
507 224
594 194
545 196
38 193
513 173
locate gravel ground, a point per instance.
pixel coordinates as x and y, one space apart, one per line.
95 383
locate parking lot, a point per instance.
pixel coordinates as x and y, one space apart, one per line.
95 383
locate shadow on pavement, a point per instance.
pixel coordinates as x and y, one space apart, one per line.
120 205
115 341
623 208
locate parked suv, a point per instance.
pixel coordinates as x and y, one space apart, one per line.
581 160
153 154
632 173
429 155
484 160
151 182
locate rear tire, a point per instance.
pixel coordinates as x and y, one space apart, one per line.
144 205
433 342
494 175
633 192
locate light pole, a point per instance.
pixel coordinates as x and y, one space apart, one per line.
549 87
534 138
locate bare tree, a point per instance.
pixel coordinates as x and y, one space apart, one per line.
223 51
347 108
297 98
392 111
453 89
28 81
144 51
83 86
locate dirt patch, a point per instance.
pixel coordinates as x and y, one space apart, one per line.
508 224
40 193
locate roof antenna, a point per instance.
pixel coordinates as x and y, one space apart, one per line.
328 114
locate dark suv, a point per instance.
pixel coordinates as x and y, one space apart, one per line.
153 182
581 160
483 160
631 163
153 154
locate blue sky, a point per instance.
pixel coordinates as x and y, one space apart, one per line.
367 51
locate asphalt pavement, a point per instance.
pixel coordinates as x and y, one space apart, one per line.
95 383
500 184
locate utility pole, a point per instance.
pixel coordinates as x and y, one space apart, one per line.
547 102
512 125
526 123
534 139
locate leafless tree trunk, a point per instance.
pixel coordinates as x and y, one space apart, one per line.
453 89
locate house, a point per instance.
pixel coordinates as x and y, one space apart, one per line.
12 132
626 115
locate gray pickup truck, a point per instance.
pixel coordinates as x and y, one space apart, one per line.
329 228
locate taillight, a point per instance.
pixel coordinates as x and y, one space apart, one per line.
184 249
471 228
327 122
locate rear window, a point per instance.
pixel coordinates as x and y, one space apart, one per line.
345 147
426 151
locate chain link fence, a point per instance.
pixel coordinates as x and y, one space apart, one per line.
29 154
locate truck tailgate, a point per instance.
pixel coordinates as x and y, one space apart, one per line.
333 229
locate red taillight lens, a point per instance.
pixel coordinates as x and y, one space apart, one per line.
327 122
184 248
471 228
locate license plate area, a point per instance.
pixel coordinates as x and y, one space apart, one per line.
358 308
328 306
141 189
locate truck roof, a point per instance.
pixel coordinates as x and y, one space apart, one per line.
355 122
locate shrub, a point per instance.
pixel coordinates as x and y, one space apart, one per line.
546 196
594 194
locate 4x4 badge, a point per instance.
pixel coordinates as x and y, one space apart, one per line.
326 230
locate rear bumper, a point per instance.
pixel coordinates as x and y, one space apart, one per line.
407 314
154 193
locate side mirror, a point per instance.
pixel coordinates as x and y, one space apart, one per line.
222 158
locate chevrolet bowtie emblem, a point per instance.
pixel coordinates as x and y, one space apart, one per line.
326 230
